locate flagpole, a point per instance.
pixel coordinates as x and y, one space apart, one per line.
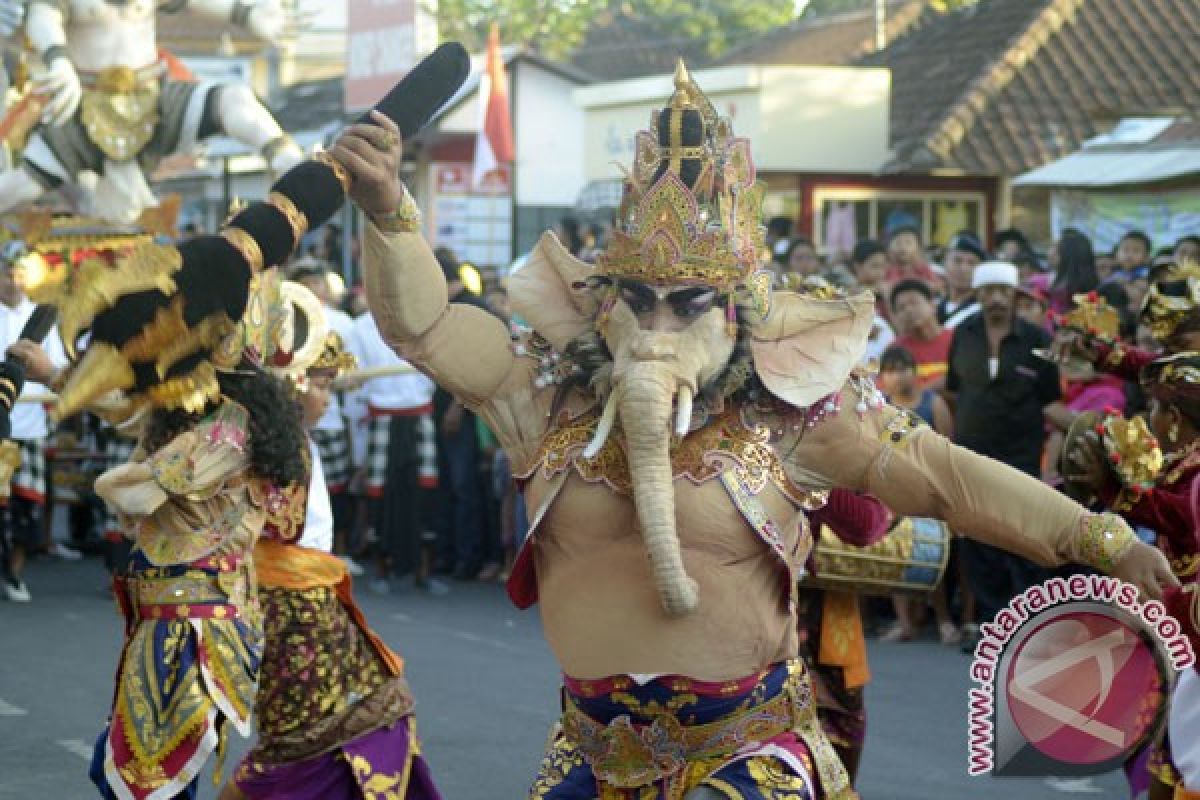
512 168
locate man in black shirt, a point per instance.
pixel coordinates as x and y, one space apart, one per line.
999 388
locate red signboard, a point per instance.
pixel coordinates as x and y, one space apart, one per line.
381 46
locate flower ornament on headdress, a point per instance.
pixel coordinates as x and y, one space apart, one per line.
691 211
1172 299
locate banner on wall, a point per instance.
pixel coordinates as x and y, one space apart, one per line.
1165 217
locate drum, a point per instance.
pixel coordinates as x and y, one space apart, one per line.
912 557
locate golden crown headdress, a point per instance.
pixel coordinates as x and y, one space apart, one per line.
334 357
1172 298
691 212
1094 316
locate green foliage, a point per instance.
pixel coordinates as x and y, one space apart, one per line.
558 27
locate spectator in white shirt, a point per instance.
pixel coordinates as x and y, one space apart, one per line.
22 520
401 461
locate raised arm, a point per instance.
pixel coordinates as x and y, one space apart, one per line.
915 472
466 350
46 29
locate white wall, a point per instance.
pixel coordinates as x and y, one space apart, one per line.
798 119
549 139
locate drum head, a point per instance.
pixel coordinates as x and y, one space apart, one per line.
1083 423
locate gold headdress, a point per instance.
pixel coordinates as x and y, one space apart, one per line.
1132 450
1172 299
302 331
258 333
691 211
334 358
1093 315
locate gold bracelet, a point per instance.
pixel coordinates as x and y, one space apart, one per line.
294 216
339 172
404 218
1102 540
247 245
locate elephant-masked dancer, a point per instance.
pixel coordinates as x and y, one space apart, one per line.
673 419
334 713
110 109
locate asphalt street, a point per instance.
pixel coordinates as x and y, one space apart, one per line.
486 688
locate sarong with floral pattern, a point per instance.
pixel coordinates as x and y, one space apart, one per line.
753 739
334 711
190 662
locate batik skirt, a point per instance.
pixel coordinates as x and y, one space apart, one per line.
753 739
334 712
189 665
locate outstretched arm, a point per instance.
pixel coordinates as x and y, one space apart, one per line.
916 472
466 350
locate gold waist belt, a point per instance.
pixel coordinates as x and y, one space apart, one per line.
193 594
116 80
628 755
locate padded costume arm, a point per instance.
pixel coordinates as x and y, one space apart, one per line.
464 349
916 472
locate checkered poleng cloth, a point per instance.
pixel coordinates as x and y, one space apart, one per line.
117 453
336 459
29 481
377 453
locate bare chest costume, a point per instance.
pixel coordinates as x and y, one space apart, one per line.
668 473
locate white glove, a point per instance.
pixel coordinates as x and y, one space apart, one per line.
61 82
12 17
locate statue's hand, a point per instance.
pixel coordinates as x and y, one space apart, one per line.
12 17
372 155
1147 569
61 84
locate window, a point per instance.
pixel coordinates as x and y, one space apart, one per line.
843 216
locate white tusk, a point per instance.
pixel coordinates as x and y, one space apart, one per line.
604 428
683 412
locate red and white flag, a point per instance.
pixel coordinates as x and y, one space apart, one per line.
494 143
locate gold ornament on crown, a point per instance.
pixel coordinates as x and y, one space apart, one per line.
1164 312
706 231
257 334
1132 451
1094 316
334 357
81 293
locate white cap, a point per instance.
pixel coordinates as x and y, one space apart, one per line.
995 273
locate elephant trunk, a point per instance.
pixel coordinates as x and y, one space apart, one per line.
645 401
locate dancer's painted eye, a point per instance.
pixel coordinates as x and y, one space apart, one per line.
638 296
689 303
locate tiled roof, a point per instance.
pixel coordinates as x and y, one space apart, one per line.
1006 86
834 40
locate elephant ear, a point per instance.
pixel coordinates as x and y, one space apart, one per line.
551 294
807 346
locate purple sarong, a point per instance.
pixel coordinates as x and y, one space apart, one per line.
384 763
